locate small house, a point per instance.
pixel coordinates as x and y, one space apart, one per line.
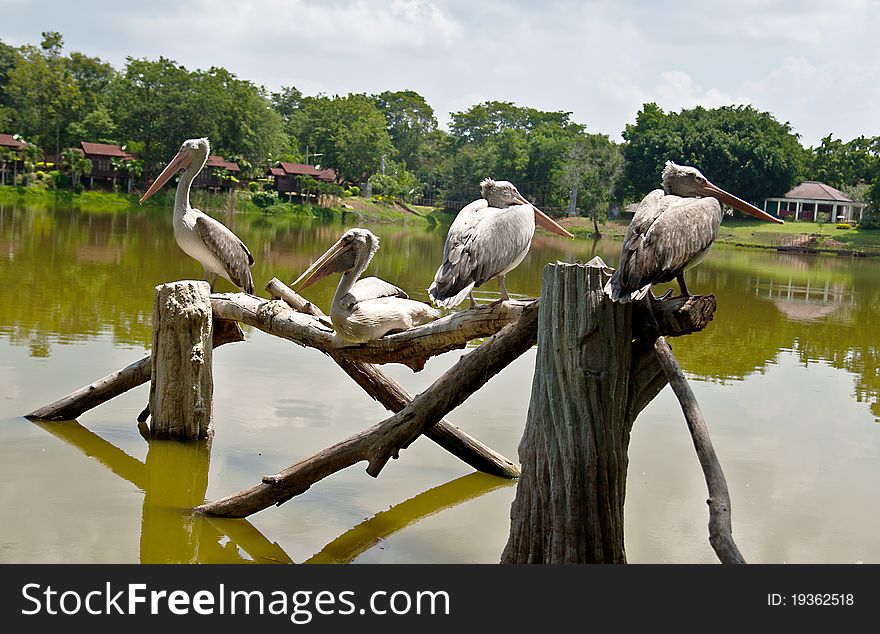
811 198
11 159
103 171
218 174
286 176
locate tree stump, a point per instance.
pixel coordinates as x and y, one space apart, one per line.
573 454
182 385
594 373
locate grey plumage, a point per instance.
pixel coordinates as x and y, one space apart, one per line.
228 249
672 231
488 238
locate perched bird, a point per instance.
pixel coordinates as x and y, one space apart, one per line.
489 238
672 231
219 251
368 308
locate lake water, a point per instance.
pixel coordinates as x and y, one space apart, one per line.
786 374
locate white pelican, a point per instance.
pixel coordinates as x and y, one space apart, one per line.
363 309
489 238
672 231
219 251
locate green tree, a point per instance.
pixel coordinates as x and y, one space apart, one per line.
349 131
737 147
76 164
592 171
43 91
8 59
523 145
97 126
842 164
411 123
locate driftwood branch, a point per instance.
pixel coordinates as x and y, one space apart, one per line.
82 400
384 389
412 347
720 529
383 441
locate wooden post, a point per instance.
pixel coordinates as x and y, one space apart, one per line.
182 385
573 454
594 373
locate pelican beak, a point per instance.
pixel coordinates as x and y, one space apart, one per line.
338 258
737 203
181 161
543 220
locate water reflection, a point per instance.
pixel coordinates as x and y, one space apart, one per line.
174 479
793 333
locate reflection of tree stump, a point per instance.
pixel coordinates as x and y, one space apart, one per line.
182 386
592 378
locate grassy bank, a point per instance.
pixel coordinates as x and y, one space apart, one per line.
355 207
764 235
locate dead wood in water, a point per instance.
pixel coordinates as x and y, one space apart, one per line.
383 441
720 528
82 400
412 347
593 376
182 380
384 389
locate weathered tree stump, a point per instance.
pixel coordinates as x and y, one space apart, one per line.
182 385
593 375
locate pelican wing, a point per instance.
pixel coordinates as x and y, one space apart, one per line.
665 236
482 242
370 288
229 249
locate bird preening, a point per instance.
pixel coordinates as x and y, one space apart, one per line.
672 231
210 242
363 309
489 238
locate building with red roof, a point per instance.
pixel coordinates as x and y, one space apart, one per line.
10 164
286 175
103 171
215 175
811 198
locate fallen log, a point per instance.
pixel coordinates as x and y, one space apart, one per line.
384 389
412 347
82 400
720 528
381 442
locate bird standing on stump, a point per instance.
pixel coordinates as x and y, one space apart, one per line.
209 241
672 231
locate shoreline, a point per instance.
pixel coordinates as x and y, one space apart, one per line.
798 237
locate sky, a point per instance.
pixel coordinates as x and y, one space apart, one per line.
811 63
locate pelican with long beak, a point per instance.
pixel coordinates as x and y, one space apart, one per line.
489 238
672 231
204 239
369 308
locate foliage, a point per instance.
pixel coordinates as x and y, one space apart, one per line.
845 165
411 124
397 183
500 140
350 133
76 164
739 148
264 199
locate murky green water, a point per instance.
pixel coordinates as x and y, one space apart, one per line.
787 376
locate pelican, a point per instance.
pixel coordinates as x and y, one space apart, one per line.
672 231
489 238
219 251
363 309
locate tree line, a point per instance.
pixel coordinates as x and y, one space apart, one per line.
392 139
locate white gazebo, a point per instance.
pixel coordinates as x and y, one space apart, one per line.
810 198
